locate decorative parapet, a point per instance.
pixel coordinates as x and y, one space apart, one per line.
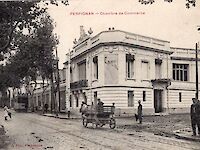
183 54
119 37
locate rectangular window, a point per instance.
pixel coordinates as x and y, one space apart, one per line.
130 99
71 75
129 65
85 97
70 101
95 63
144 96
158 71
95 97
180 72
180 97
39 101
82 70
64 74
77 101
47 99
34 101
145 70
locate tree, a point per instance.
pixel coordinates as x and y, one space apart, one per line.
35 51
33 57
28 54
17 16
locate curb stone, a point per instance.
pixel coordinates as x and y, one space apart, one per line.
186 134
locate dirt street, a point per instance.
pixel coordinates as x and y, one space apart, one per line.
165 125
31 131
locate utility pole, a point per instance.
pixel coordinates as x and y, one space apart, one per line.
68 83
52 91
197 80
57 77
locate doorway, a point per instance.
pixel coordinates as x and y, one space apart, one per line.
158 100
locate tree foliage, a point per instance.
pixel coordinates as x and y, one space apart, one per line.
30 52
15 16
18 15
34 56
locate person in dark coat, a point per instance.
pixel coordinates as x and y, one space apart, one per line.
193 115
100 106
139 112
83 108
46 106
198 115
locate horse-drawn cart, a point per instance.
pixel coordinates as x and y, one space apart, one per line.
99 117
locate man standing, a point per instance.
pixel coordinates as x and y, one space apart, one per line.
198 115
83 108
193 115
46 106
100 105
139 111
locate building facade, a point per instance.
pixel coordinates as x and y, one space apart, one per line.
121 67
43 95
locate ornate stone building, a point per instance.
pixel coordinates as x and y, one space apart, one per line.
121 67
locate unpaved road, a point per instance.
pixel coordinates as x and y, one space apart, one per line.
32 131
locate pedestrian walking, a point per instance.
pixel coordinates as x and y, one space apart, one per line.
139 112
193 114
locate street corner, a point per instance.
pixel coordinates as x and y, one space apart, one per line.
186 134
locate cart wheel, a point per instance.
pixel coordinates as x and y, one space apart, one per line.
85 122
112 123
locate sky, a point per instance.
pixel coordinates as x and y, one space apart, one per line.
167 21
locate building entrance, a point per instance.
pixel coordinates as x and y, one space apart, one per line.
158 100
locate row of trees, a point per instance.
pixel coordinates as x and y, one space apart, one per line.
27 43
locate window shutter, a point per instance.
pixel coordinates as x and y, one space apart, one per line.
95 59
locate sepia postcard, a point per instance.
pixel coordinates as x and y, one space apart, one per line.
99 75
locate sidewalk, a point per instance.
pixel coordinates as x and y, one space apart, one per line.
186 134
